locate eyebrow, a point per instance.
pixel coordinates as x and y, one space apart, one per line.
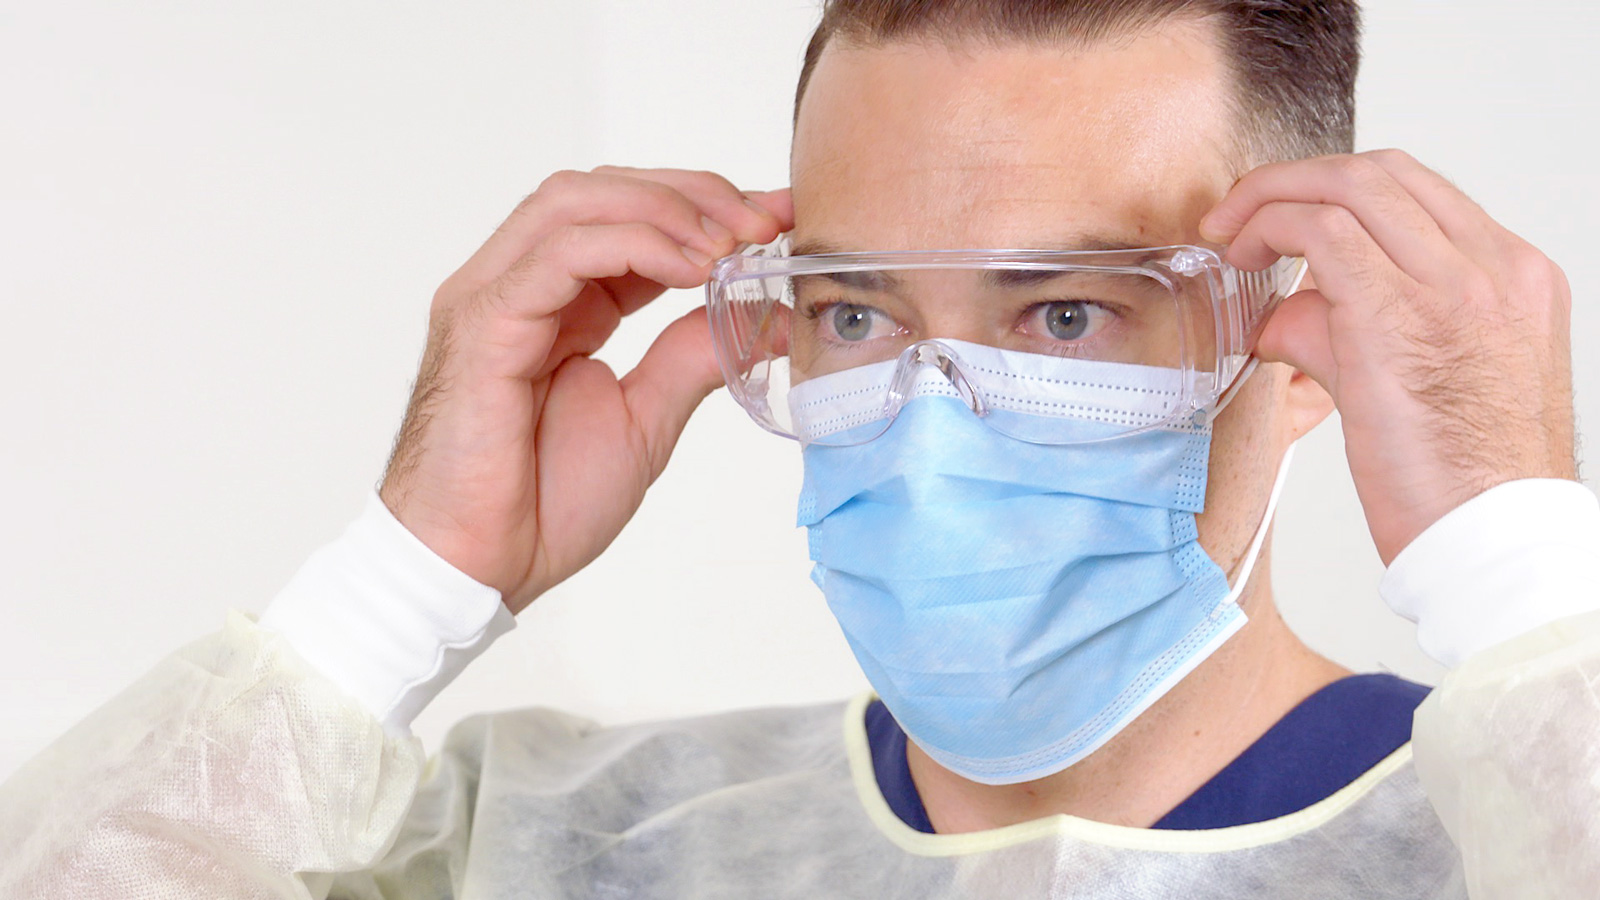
1104 243
1000 278
885 282
1020 278
861 281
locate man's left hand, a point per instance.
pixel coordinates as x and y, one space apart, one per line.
1443 338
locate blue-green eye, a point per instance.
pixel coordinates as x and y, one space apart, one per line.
851 322
1069 320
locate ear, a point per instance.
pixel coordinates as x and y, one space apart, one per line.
1306 404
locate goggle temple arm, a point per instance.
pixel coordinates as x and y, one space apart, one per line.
1206 417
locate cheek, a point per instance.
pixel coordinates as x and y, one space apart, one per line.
1246 449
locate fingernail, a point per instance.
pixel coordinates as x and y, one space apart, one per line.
696 257
1211 230
765 213
714 230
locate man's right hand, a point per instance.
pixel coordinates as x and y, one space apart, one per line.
521 458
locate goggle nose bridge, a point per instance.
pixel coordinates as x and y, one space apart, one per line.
945 360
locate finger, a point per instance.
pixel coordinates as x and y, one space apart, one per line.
581 198
1396 221
585 325
780 203
631 292
1298 334
750 221
552 274
1463 221
758 341
1348 264
676 373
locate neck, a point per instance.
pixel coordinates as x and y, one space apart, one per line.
1165 755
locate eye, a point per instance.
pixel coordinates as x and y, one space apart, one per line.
1068 320
852 323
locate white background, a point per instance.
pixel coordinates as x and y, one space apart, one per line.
221 224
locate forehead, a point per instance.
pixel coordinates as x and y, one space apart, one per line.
919 145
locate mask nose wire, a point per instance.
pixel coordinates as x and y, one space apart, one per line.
947 362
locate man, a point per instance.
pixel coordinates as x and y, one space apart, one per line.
274 758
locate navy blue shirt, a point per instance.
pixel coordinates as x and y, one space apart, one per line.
1329 740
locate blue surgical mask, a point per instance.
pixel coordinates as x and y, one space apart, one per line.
1016 605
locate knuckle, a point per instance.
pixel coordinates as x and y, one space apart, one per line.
1558 277
707 176
1268 170
1410 292
1357 171
1335 221
660 199
711 181
553 250
1529 260
1562 291
558 182
555 246
649 238
1526 266
627 236
1538 277
1391 155
1478 287
650 199
1257 183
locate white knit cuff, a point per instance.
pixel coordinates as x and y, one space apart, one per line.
386 618
1518 556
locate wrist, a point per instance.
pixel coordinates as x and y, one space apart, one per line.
1515 557
383 616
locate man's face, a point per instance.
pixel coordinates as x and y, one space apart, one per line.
920 146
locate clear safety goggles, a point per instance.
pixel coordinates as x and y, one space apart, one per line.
1053 347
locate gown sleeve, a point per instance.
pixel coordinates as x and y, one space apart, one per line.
266 760
1506 591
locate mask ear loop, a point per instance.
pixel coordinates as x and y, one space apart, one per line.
1233 389
1251 363
1254 553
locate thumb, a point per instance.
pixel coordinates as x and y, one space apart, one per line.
1297 334
677 372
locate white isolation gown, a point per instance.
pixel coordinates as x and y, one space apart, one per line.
247 765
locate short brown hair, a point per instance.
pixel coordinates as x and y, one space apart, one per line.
1294 61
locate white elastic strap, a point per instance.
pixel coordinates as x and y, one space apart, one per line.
1249 562
1233 389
